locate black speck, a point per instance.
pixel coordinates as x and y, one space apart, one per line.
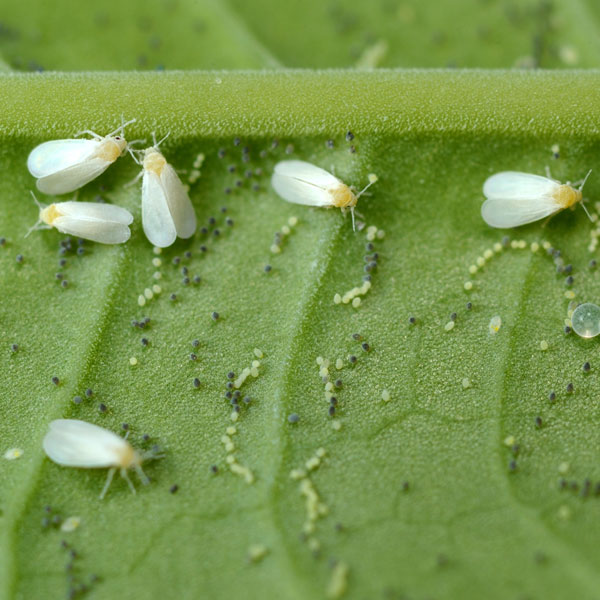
19 258
552 396
453 316
331 410
538 422
412 320
214 316
365 346
231 375
329 143
193 356
196 382
512 466
592 264
570 388
77 400
195 343
352 358
188 254
268 268
173 297
58 276
173 489
293 418
356 336
64 283
185 281
586 367
125 426
567 330
214 469
14 347
102 407
569 280
349 136
144 341
221 153
55 380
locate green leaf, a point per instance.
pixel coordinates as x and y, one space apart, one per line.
237 34
466 524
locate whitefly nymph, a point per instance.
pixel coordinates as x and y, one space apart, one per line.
515 198
74 443
304 183
63 166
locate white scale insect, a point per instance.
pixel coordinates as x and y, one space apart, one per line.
62 166
74 443
104 223
304 183
167 212
515 198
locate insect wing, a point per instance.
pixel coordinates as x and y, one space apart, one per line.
180 206
518 186
51 157
74 443
72 178
157 221
511 212
96 210
104 232
303 183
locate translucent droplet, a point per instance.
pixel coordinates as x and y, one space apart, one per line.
586 320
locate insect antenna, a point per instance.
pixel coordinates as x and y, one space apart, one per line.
580 189
39 221
121 127
372 179
157 144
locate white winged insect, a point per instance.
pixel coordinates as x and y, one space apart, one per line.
304 183
62 166
167 212
104 223
515 198
74 443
